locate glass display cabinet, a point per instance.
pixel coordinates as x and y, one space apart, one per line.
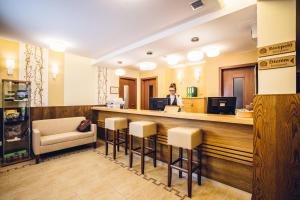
16 130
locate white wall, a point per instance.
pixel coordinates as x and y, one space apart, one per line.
276 23
80 78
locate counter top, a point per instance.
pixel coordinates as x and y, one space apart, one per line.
182 115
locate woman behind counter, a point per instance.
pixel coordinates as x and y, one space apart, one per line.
174 99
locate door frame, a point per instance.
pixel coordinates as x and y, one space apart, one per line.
135 84
142 86
236 67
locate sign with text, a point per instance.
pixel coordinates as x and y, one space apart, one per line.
279 62
274 49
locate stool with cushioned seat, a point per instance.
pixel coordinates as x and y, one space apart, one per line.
115 124
189 139
144 130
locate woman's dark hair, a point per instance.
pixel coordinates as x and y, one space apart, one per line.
173 85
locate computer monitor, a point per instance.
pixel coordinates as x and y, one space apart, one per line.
158 103
221 105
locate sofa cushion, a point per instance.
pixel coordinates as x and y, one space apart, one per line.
55 126
64 137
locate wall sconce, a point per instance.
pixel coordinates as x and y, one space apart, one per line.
197 74
180 76
10 65
54 71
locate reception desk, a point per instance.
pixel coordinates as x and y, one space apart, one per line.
227 140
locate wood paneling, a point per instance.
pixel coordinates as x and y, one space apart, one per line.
227 147
53 112
276 147
194 105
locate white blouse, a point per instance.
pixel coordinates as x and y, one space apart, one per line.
178 98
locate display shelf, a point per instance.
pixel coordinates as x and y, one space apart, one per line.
15 121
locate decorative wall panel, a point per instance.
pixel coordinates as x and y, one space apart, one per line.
34 68
102 85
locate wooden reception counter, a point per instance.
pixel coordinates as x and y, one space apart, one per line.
227 140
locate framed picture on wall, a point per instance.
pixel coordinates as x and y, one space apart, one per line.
114 90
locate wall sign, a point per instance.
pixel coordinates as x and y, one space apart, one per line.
114 90
274 49
279 62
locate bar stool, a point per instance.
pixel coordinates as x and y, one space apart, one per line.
185 138
116 124
146 131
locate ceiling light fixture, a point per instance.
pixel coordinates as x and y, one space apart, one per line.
173 59
145 66
212 52
194 56
57 46
120 72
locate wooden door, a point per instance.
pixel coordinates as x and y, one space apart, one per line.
131 83
148 90
239 81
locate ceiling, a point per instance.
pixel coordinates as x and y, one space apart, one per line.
230 33
93 28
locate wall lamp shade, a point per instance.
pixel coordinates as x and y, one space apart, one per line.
179 75
197 74
145 66
54 71
194 56
10 65
120 72
57 46
212 52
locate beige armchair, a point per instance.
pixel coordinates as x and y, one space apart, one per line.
56 134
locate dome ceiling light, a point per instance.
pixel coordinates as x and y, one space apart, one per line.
57 46
173 59
146 66
120 72
212 52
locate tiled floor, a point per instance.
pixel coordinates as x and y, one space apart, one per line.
87 174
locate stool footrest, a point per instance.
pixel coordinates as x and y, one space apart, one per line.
139 153
173 165
111 142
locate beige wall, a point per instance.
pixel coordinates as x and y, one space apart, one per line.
211 69
208 84
80 81
276 22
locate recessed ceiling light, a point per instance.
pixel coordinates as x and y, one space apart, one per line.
120 72
212 52
57 46
149 52
195 56
120 62
194 39
173 59
145 66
